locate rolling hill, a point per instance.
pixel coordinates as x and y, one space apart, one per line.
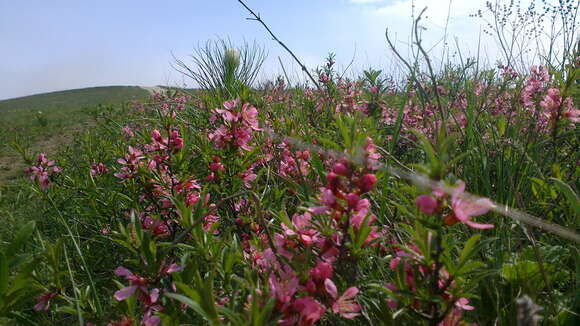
76 98
48 122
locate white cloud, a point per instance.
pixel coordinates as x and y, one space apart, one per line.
397 17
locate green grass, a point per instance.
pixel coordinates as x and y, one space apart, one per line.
48 122
74 98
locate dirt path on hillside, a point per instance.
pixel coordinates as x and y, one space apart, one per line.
153 89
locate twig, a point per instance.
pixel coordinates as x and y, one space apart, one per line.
259 20
349 64
429 66
285 74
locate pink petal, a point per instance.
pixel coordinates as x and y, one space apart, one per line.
41 305
349 315
318 210
173 268
350 293
478 225
125 292
154 295
122 271
459 189
331 288
479 207
151 320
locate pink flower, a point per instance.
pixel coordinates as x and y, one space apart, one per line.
135 281
243 135
464 208
302 229
283 290
208 223
128 132
310 311
249 116
321 271
570 112
573 115
42 171
171 268
43 302
216 165
463 303
130 164
125 292
372 157
227 115
345 305
534 83
98 169
248 176
150 320
340 169
552 100
360 213
237 127
454 317
427 204
353 200
175 141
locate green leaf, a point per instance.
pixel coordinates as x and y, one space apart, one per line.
469 249
232 316
343 132
501 126
569 193
21 237
4 274
317 165
190 303
428 148
191 293
266 312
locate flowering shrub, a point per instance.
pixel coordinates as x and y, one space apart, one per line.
277 206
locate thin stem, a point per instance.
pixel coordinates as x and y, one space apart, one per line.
259 20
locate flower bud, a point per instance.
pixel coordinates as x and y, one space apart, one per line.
367 182
426 204
232 58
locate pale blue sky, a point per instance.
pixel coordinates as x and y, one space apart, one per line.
62 44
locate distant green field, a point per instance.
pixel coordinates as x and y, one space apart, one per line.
47 122
75 98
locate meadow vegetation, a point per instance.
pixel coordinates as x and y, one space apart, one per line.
446 198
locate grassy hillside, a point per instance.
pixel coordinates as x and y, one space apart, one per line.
75 98
50 121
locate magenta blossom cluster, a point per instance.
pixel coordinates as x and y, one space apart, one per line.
535 83
554 107
168 105
304 300
351 99
131 163
293 163
42 171
417 275
98 169
237 125
145 291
